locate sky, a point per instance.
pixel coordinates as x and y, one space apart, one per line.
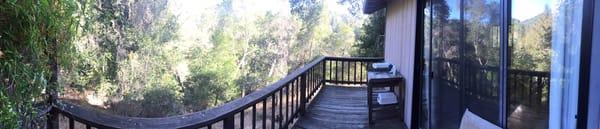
525 9
521 9
195 7
193 14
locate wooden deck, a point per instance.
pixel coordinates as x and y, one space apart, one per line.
344 107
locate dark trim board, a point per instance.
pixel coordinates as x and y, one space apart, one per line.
418 66
593 119
584 65
504 63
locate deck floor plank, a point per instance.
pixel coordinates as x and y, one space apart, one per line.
343 107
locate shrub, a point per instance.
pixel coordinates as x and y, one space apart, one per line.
160 102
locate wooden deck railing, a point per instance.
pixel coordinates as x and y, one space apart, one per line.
275 106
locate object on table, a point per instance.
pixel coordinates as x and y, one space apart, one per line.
386 98
381 67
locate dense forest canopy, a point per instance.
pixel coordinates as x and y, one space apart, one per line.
156 58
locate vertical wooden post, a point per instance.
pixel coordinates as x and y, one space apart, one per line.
323 72
71 123
264 114
228 123
355 67
336 72
303 93
52 121
242 118
254 116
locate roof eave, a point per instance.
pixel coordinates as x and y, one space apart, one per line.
374 5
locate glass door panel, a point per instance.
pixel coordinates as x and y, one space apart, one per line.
462 55
481 58
445 105
544 47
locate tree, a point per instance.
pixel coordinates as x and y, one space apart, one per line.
371 39
35 43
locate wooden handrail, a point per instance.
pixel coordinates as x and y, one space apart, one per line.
309 78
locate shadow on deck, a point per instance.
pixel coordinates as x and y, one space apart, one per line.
344 107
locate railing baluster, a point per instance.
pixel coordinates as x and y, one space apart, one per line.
228 123
312 82
294 99
360 76
336 71
302 93
242 118
298 96
52 122
71 123
293 91
330 71
348 72
531 91
355 67
342 71
323 71
264 114
254 116
280 107
308 85
273 107
287 103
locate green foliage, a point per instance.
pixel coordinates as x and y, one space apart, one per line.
531 43
370 42
135 58
213 79
160 98
36 37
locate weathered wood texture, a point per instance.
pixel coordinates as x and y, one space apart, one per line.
345 107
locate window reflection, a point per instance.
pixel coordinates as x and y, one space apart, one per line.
462 51
544 35
464 58
445 40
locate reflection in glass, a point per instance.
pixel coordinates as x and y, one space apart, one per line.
529 75
464 59
539 30
481 58
445 105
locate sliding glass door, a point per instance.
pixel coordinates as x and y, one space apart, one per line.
463 62
530 50
544 48
445 90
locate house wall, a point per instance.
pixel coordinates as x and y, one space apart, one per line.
400 45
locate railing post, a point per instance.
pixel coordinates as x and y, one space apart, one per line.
303 97
229 122
323 75
52 116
